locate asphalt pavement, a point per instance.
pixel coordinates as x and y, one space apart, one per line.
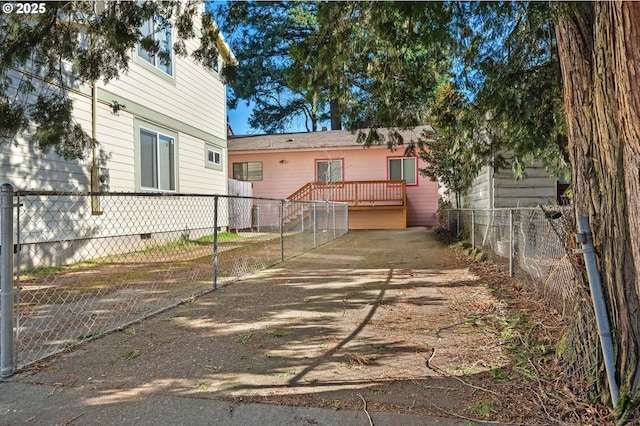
36 404
26 400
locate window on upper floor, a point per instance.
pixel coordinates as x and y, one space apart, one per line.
213 157
247 171
159 29
157 160
403 168
329 171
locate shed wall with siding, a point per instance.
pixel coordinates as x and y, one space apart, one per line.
497 189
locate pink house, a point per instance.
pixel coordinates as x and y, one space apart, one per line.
384 189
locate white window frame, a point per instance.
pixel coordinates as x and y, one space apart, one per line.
211 150
158 166
403 167
330 168
154 60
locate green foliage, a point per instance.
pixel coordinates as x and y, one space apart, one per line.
499 375
507 61
482 409
261 35
364 64
71 45
394 59
459 147
222 237
505 96
130 354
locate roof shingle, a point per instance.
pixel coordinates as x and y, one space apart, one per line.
308 140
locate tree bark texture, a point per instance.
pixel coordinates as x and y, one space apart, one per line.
336 119
598 48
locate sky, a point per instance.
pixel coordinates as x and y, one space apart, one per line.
238 119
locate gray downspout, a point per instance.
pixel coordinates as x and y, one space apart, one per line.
585 237
95 170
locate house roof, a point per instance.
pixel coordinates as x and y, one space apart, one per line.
308 140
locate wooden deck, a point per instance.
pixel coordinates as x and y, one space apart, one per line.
374 204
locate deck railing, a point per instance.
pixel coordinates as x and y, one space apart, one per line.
357 194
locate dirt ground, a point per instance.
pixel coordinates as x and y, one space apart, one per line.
391 319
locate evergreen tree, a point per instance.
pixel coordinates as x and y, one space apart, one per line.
506 61
361 64
458 147
262 35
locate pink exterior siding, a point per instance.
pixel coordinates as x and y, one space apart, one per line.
286 171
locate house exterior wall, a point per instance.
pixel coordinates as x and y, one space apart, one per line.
286 171
480 194
23 166
191 105
377 219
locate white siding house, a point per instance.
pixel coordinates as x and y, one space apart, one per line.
160 130
169 134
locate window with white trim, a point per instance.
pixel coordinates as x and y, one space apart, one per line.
157 160
403 168
159 29
251 170
214 157
329 171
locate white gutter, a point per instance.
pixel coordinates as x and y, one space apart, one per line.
224 49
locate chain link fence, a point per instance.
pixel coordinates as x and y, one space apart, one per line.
85 264
545 250
534 241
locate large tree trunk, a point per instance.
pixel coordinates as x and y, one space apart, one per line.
598 44
336 119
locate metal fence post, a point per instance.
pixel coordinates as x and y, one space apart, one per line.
512 245
6 280
257 217
333 210
346 218
282 229
585 237
473 225
215 241
315 226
